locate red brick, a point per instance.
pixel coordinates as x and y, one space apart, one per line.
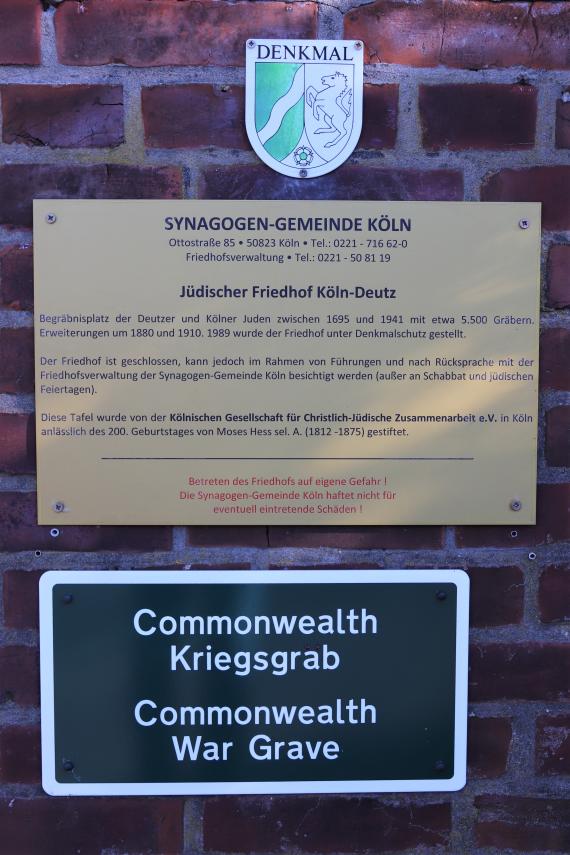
380 116
166 32
194 116
555 358
19 676
350 182
547 184
17 360
523 824
552 523
227 535
68 826
17 444
532 672
558 288
19 531
563 122
70 116
20 755
496 596
553 745
554 593
20 32
357 536
17 278
488 744
21 599
20 183
558 436
482 116
322 824
462 34
396 32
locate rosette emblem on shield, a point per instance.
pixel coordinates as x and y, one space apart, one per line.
303 106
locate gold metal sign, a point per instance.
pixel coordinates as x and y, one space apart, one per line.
286 362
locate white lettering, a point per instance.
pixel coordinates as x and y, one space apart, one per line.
137 619
142 721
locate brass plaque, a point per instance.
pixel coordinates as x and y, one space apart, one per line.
286 362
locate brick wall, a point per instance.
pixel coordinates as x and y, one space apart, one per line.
144 99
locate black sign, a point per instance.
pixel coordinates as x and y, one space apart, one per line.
176 682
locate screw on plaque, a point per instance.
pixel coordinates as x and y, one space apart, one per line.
441 595
358 45
67 599
516 505
524 224
251 43
58 507
67 765
51 219
439 765
302 173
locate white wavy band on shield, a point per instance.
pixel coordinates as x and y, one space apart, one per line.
282 106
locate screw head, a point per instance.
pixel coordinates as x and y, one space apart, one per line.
439 765
251 43
516 505
302 173
58 507
441 595
358 45
524 224
67 765
51 219
54 532
67 599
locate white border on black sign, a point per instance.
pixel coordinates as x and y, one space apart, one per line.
223 577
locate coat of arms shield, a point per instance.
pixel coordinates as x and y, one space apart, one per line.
303 106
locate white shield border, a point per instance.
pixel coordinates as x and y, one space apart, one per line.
292 171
